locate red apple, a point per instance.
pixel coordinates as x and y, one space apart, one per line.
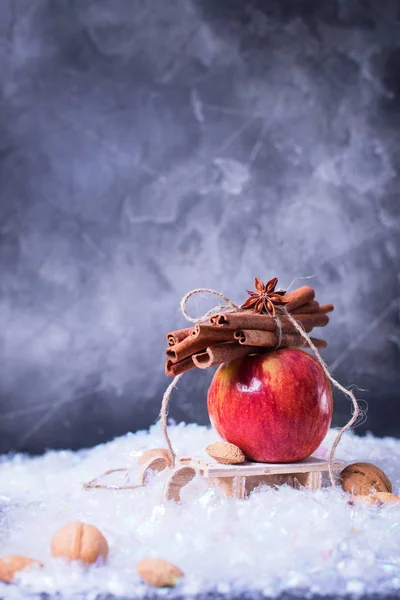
276 407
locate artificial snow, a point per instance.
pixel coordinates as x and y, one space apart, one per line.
278 539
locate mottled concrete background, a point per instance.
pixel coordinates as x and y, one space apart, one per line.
148 147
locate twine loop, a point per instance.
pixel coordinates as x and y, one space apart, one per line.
228 307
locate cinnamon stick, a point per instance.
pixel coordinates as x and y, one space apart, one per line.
256 337
298 297
244 320
313 307
311 320
325 308
210 332
310 307
174 337
297 341
250 320
199 338
318 343
173 369
221 353
227 351
251 337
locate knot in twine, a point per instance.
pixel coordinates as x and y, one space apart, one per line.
230 306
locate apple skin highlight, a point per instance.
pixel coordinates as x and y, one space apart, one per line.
276 407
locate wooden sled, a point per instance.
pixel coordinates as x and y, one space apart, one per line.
237 481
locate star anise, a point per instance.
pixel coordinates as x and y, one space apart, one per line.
264 299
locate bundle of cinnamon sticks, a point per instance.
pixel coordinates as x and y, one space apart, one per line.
231 335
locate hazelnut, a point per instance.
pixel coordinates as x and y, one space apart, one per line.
154 453
158 572
79 541
11 564
226 453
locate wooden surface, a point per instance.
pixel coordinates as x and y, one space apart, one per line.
179 477
156 463
213 469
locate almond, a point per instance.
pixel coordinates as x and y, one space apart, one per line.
79 541
226 453
154 453
11 564
158 572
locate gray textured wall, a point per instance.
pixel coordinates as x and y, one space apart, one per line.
149 147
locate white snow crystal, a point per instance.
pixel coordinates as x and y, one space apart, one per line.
276 540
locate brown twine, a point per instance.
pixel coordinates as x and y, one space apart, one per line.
164 415
278 331
337 385
230 307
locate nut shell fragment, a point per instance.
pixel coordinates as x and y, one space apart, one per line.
385 498
378 499
159 572
11 564
359 500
